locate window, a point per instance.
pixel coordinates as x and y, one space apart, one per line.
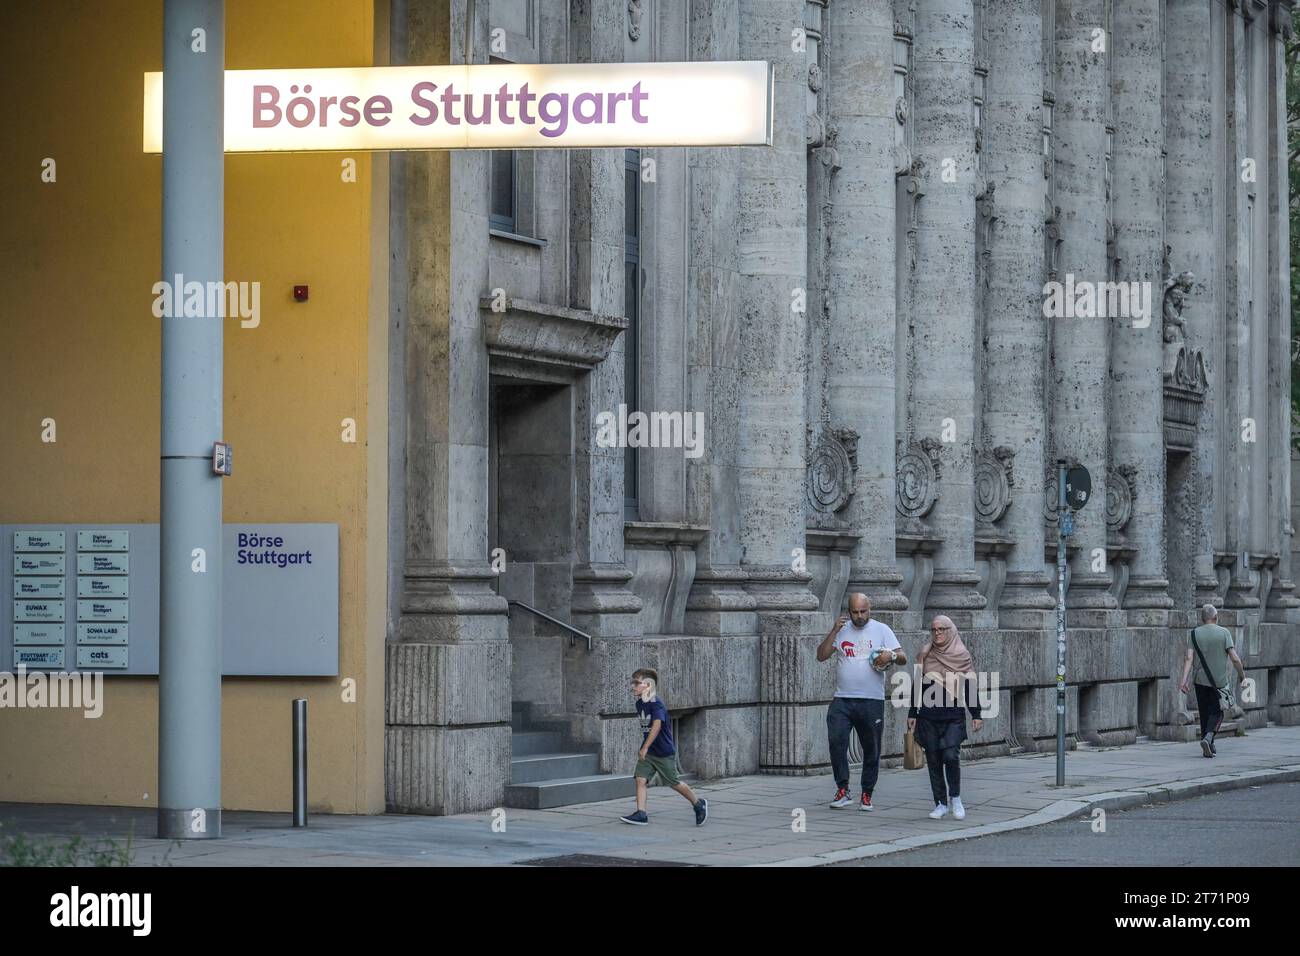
503 213
632 310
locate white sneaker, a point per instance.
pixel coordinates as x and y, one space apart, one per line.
939 812
958 811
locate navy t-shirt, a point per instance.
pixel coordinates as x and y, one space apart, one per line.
649 713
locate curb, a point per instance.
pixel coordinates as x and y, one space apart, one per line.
1060 810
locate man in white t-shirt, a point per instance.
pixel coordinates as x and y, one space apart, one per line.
859 703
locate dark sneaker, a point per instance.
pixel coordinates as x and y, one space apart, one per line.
701 812
1207 748
842 798
1213 749
866 802
638 819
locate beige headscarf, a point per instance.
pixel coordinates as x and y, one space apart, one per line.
945 654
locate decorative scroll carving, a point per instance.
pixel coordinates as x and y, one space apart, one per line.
917 486
814 77
1121 490
1052 236
832 468
993 484
635 11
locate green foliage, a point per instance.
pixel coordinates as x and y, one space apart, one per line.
22 850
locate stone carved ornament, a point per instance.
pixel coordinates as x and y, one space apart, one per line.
917 484
635 11
1051 493
1177 289
832 470
993 484
1184 367
1121 492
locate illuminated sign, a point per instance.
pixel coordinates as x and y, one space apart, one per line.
492 106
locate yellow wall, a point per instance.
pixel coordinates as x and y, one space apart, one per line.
78 259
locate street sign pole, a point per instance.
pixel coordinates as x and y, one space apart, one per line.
1064 526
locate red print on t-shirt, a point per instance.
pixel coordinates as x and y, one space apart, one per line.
847 648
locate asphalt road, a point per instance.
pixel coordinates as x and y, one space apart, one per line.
1259 826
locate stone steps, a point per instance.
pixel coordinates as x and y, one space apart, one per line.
564 792
532 768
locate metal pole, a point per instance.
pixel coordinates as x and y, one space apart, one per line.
300 762
1061 517
189 652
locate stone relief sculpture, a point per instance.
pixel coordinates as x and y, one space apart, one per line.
1177 289
1184 367
993 484
917 487
1121 492
832 469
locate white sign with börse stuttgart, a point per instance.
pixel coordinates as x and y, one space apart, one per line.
489 106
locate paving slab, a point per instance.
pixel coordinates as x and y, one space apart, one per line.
750 818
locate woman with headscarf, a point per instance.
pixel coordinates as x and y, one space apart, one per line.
946 677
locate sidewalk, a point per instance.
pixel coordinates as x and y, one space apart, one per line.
750 818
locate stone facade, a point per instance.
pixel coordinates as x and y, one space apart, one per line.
859 312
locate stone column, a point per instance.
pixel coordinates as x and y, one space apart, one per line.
448 670
772 250
1081 356
1014 390
718 602
943 391
860 270
1283 599
1193 145
602 603
1137 347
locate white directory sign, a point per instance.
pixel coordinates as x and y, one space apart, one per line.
38 610
117 587
38 634
46 658
37 563
101 658
102 633
38 587
94 563
38 540
102 611
103 540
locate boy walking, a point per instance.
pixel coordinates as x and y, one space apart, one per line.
657 754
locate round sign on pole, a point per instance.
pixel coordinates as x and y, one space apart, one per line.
1078 487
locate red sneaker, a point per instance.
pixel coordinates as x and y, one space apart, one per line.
842 798
866 802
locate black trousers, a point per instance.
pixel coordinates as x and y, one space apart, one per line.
866 717
1207 705
940 762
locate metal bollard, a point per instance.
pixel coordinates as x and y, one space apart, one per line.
300 762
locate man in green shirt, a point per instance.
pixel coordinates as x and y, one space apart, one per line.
1215 645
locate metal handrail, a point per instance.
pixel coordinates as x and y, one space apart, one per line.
573 631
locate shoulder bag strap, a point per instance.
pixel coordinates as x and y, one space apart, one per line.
1209 674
